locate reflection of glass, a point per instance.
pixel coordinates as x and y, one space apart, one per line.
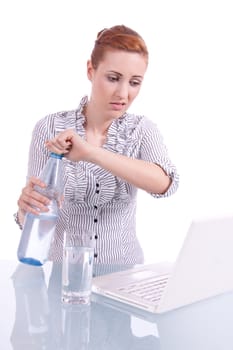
76 327
30 329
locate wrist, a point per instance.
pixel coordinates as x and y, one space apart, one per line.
19 218
94 154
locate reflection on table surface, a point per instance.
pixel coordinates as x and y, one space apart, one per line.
41 321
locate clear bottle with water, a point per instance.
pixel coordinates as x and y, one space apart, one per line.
38 230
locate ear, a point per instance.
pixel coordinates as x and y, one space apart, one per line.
90 70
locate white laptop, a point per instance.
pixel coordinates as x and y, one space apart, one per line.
203 268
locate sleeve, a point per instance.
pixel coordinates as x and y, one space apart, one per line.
38 153
155 151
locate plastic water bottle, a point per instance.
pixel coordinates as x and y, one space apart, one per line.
38 230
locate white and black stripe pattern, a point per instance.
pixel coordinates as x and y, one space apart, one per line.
95 199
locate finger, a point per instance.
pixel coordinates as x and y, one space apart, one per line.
34 181
32 205
55 144
59 149
62 142
31 200
27 208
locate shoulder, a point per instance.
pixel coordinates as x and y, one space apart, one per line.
61 120
61 116
139 122
52 123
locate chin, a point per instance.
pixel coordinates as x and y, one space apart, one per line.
118 114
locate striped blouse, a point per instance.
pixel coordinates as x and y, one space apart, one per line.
94 199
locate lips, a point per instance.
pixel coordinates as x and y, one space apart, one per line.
117 106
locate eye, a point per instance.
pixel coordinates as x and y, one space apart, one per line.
135 82
112 78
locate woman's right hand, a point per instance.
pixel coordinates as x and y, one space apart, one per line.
72 145
32 201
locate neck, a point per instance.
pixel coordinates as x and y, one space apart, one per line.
95 122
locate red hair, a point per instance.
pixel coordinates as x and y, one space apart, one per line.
118 37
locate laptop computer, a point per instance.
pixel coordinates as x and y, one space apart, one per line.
203 269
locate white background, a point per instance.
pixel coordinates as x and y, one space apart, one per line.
187 91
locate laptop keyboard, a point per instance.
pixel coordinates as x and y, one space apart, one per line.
150 290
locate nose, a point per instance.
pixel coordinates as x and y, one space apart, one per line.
122 90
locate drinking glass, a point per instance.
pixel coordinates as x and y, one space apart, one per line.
77 268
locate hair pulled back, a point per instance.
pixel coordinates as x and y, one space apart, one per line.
118 37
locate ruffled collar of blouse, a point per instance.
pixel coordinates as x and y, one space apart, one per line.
118 132
120 139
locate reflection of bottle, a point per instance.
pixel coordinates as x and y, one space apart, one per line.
39 229
76 327
31 328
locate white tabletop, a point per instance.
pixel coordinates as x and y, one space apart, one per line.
33 317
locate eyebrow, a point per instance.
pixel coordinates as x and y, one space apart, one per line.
117 73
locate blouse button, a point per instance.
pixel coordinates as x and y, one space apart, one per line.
97 185
97 191
95 255
95 220
96 237
95 207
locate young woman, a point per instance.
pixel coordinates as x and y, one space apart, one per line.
109 153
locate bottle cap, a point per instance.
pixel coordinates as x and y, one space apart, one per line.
55 155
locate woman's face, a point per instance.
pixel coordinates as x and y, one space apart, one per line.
116 82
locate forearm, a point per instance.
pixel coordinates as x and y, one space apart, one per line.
144 175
